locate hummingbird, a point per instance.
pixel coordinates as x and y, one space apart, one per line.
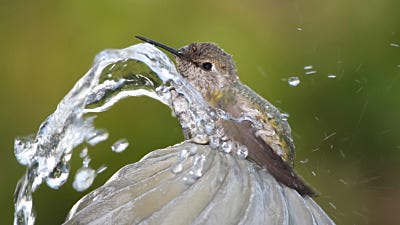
212 71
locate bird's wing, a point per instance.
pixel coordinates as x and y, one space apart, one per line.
262 154
266 136
270 124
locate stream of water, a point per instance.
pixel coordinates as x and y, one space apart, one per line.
139 70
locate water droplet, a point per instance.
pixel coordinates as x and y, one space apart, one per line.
84 178
83 153
97 136
329 136
293 81
332 205
227 146
304 161
309 67
220 132
313 173
343 181
299 29
214 142
193 150
311 72
120 145
177 168
60 173
198 165
242 152
209 127
285 116
101 169
183 155
342 154
24 149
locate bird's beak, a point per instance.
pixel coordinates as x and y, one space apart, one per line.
165 47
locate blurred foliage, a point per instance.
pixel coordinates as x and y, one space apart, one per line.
346 129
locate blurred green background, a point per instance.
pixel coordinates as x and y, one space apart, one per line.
346 129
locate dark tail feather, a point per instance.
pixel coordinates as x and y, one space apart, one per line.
282 172
262 154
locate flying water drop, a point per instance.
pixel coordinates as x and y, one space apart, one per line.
83 153
97 136
394 45
86 160
101 169
294 81
120 145
304 161
84 178
308 67
311 72
313 173
332 205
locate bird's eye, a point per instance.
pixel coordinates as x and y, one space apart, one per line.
206 66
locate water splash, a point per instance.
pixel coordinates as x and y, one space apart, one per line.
120 145
116 74
139 70
294 81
